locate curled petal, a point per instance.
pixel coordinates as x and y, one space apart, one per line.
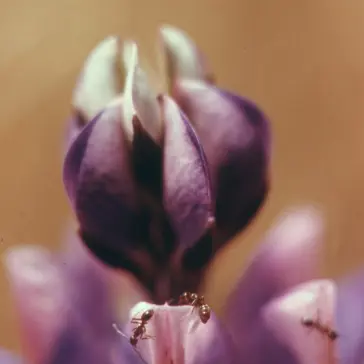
350 319
178 336
98 178
284 315
288 256
187 192
233 131
235 136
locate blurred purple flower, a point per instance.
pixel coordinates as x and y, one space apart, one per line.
159 186
68 304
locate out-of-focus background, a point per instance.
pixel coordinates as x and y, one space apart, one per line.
302 62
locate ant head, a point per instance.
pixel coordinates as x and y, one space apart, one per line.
333 335
307 322
147 315
194 296
205 313
184 298
133 340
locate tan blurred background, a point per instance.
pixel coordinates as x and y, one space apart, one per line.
302 61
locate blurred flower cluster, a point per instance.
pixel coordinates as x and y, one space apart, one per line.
159 181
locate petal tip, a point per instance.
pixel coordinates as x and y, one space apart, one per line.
298 225
140 99
97 84
183 58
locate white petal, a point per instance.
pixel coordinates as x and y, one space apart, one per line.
139 97
99 82
183 57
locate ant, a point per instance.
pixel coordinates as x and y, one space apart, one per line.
139 332
193 299
324 329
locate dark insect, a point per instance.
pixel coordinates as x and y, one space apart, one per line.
318 325
198 302
139 332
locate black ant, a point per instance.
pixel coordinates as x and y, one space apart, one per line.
139 332
318 325
198 302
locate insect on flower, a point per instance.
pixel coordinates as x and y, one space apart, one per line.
319 326
316 323
198 302
139 332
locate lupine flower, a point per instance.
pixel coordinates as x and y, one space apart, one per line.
159 183
68 304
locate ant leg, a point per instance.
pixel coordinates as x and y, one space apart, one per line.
135 319
146 337
193 303
193 308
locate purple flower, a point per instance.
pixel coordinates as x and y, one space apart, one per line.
159 184
68 304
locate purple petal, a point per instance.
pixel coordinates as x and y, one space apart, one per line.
235 136
38 289
9 358
350 319
234 133
80 264
65 309
187 192
312 300
209 343
98 179
288 256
